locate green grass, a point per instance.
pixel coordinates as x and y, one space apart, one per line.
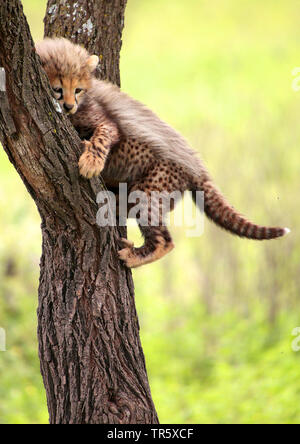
217 314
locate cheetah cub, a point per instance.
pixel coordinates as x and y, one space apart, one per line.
126 142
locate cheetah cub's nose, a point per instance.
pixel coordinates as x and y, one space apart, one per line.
68 107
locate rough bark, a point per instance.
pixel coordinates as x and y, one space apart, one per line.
91 358
97 24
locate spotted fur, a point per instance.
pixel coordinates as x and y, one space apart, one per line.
126 142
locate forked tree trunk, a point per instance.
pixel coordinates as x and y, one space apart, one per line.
91 358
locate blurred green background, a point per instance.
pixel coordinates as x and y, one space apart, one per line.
217 314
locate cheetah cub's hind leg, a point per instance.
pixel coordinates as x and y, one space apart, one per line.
158 243
157 239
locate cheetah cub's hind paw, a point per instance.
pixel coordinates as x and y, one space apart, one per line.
127 254
90 163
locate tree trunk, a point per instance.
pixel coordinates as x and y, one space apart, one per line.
91 358
96 24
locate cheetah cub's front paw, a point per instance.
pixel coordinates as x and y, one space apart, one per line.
90 163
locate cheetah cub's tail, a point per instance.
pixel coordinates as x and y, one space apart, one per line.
224 215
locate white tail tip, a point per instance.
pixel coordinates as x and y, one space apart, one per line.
287 230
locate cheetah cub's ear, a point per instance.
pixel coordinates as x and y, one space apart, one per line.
92 62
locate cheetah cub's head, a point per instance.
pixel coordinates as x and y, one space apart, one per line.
69 68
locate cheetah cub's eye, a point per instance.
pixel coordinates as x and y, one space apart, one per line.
58 90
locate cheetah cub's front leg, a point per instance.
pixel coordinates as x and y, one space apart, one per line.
92 161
